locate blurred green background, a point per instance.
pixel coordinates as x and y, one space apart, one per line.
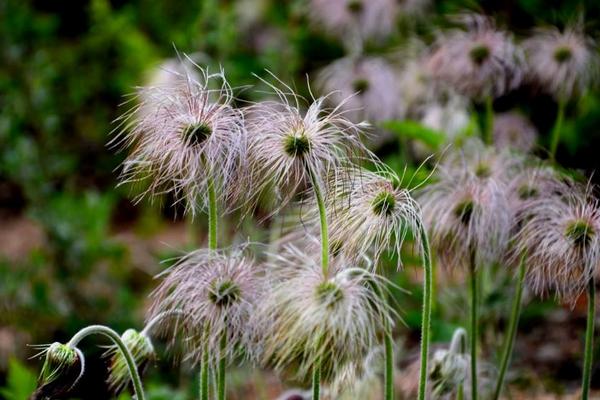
74 250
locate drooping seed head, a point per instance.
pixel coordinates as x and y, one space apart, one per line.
447 372
216 292
141 348
63 366
562 63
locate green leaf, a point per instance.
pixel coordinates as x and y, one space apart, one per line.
415 130
20 382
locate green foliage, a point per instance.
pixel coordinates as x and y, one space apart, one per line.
20 381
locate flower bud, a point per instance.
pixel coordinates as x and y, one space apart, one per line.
141 349
63 366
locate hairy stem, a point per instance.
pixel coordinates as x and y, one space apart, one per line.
426 316
204 379
474 335
116 339
221 372
212 215
389 362
557 128
489 120
512 329
323 221
316 381
589 339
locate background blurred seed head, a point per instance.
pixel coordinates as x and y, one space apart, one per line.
562 63
514 131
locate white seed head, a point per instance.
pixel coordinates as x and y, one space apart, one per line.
559 237
183 135
141 348
368 87
216 293
287 145
448 370
562 63
514 131
308 318
480 62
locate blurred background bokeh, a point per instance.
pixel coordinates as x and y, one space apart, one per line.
75 250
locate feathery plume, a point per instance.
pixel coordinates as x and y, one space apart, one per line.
366 86
560 240
216 294
287 147
308 319
562 63
183 137
480 62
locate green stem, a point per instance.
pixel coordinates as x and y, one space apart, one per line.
473 285
512 329
204 375
589 339
426 317
212 215
458 345
557 128
221 373
116 339
489 120
323 221
389 362
316 381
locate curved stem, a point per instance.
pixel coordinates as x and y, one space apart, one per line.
221 371
116 339
489 120
323 221
426 317
458 345
316 381
474 335
389 363
159 317
589 339
212 215
557 128
512 329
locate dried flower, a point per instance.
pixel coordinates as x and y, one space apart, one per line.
308 319
216 293
355 21
142 350
514 131
481 62
286 146
562 63
366 86
184 137
560 241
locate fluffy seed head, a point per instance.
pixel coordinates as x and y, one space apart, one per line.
514 131
216 294
370 213
559 238
467 211
480 62
287 145
182 135
142 350
367 86
307 316
448 370
562 63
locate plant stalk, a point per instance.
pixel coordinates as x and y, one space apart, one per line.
557 128
589 339
389 362
116 339
316 381
323 220
426 316
221 378
212 215
489 120
474 335
512 329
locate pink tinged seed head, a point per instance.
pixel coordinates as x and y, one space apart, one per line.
562 63
559 236
514 131
216 293
307 317
183 135
478 62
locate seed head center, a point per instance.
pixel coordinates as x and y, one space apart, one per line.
224 293
196 134
296 145
383 203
